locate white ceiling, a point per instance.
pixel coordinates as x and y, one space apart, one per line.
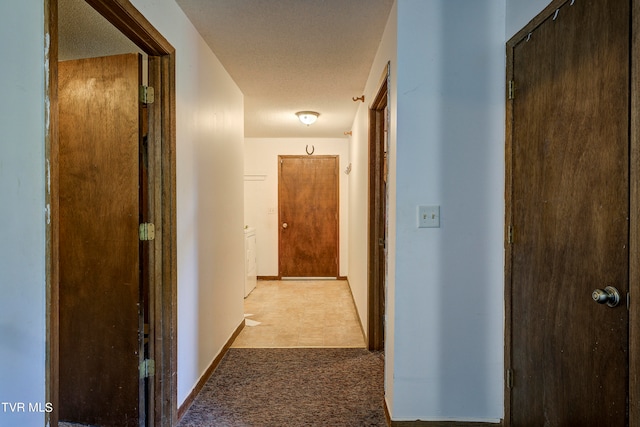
84 33
285 55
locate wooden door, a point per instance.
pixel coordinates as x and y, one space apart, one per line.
308 205
569 208
100 295
377 260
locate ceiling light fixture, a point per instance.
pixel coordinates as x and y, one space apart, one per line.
307 117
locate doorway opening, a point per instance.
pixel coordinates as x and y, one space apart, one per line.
378 142
158 328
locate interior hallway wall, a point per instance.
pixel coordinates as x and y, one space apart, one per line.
359 188
448 325
23 213
261 192
210 168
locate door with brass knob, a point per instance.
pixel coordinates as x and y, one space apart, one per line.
308 209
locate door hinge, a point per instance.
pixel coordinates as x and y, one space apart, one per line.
512 89
147 231
509 379
147 368
510 235
147 95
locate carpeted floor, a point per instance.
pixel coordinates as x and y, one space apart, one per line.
295 387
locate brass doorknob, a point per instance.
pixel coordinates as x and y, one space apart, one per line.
285 225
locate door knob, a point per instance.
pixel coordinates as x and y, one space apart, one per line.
609 296
285 225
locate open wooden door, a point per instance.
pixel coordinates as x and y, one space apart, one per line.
101 307
377 260
568 207
308 205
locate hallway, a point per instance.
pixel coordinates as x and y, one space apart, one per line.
300 361
314 313
446 352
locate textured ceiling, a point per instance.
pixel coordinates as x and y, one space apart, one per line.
293 55
84 33
285 55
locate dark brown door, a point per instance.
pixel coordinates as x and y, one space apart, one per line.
308 204
570 218
378 114
100 295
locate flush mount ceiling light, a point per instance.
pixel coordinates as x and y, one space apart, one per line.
307 117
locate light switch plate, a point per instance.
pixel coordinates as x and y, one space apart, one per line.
429 216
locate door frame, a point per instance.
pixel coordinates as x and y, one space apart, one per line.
634 206
162 199
377 214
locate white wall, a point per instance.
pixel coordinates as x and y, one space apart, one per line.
22 210
210 148
261 192
448 283
359 187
